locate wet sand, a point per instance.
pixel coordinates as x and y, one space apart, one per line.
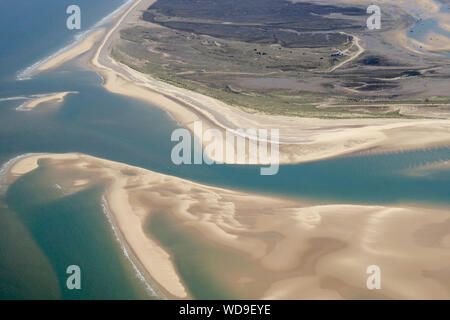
304 250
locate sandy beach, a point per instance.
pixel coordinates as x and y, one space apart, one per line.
301 139
325 138
84 46
302 250
57 98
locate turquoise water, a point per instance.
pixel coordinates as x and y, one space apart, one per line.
105 125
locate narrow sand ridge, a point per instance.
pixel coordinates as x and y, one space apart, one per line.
48 98
299 250
84 46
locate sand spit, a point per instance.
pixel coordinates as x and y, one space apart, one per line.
305 251
84 46
47 98
301 139
325 137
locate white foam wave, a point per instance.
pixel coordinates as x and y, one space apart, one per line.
123 246
109 16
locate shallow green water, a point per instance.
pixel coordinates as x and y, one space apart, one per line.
209 271
56 231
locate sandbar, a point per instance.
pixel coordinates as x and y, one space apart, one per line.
85 45
325 138
303 250
48 98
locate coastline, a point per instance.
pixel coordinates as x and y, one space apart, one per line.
361 50
325 141
301 139
76 50
70 51
323 236
127 229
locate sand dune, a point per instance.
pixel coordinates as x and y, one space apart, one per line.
303 250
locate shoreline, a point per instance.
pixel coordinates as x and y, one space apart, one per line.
83 46
57 97
371 233
5 181
185 107
28 72
130 255
325 138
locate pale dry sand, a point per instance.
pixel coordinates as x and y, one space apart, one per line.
361 50
84 46
324 138
80 182
30 163
129 219
304 250
50 98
